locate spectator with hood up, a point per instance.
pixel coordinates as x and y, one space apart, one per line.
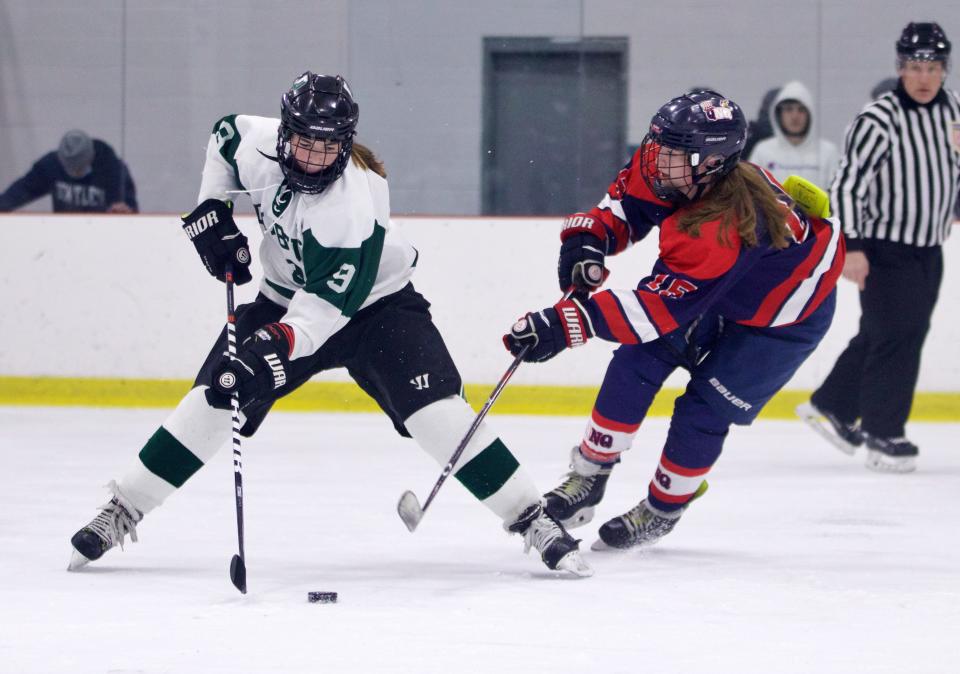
795 147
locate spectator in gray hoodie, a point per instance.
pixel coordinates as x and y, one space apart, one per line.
795 147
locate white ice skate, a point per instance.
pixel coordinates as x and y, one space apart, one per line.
891 455
558 550
642 525
116 519
845 437
574 502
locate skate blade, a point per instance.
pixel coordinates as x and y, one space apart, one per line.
813 419
573 563
77 561
584 516
599 546
881 463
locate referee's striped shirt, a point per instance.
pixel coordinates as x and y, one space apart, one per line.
900 171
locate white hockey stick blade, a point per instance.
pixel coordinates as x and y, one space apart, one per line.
408 507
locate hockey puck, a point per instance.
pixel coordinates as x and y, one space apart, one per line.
322 597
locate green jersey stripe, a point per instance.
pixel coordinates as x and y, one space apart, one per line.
228 140
343 277
283 292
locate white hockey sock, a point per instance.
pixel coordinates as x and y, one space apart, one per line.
604 439
486 468
188 438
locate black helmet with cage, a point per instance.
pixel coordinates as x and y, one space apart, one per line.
708 132
316 108
923 41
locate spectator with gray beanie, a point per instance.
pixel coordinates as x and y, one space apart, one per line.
83 175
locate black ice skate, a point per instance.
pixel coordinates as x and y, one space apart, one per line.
845 437
117 518
573 503
891 455
641 525
558 550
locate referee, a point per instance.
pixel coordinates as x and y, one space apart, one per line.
894 193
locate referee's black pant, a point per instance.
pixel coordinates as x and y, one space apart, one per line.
874 378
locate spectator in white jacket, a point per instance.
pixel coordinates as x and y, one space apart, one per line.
796 147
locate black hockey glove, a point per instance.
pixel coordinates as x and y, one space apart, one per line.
581 263
260 369
218 241
582 253
547 332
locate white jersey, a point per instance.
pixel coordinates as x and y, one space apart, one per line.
324 256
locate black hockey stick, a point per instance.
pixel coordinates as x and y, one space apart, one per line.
408 507
238 566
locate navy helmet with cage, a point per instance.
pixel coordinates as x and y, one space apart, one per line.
694 140
924 41
316 108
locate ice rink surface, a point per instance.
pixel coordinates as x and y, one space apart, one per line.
798 559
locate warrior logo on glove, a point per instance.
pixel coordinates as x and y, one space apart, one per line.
214 234
260 368
594 274
582 254
227 381
276 367
541 335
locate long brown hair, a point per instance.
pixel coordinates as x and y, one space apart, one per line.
364 158
734 201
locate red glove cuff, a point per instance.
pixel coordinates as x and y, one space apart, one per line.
580 223
575 322
282 334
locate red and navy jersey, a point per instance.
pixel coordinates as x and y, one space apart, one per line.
757 285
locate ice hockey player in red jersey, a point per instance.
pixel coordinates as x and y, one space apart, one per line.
741 293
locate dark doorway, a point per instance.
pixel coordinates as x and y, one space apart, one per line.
554 123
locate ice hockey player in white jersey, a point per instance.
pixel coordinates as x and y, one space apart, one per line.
336 292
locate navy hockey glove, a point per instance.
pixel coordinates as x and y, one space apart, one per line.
582 253
218 241
549 331
260 369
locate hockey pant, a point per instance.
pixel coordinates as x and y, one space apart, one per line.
734 371
394 352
